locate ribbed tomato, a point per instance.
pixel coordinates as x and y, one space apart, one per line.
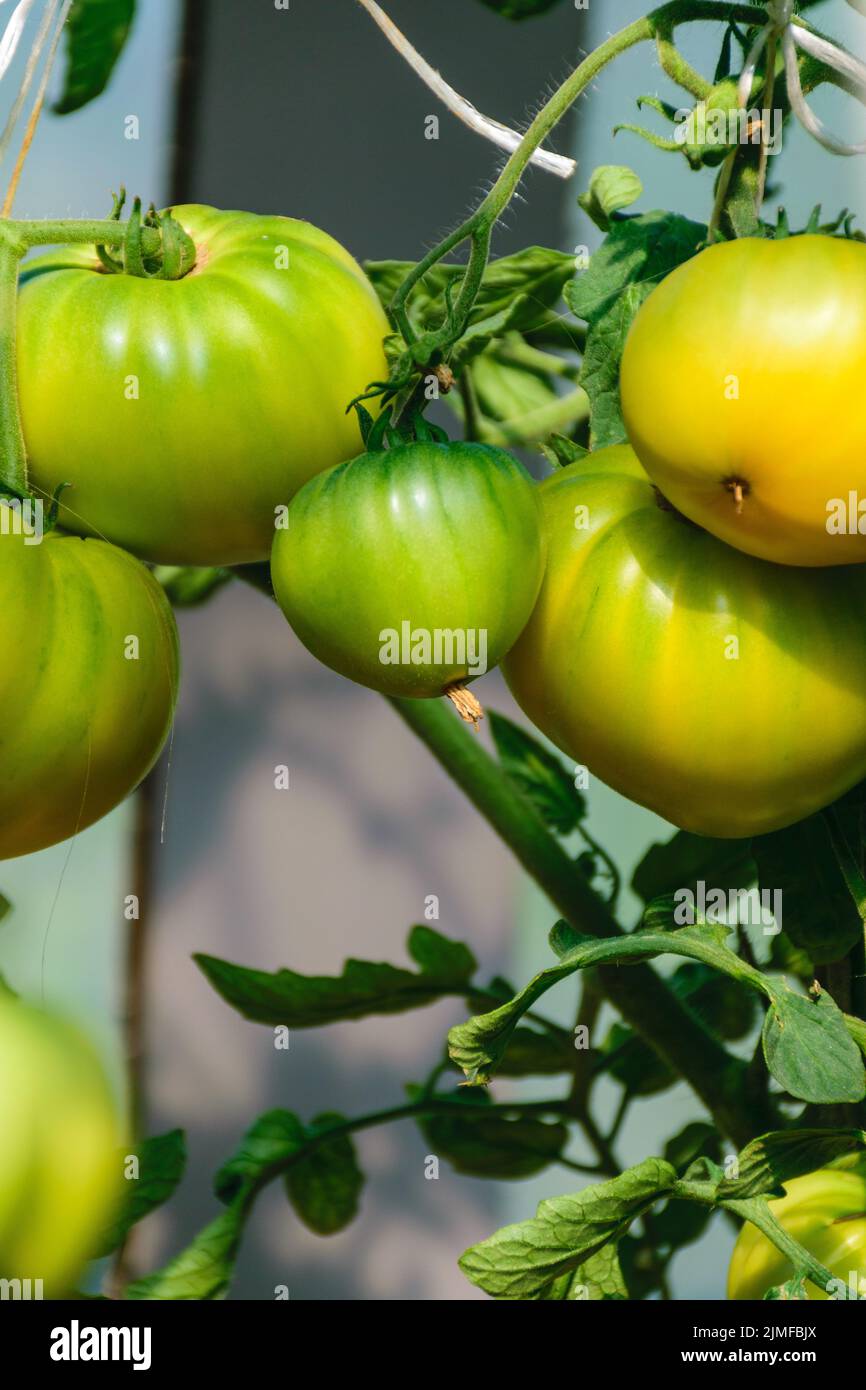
412 569
59 1160
725 693
184 411
826 1213
87 683
742 391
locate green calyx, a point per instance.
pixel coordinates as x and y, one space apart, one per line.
173 256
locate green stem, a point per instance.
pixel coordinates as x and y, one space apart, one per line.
641 996
560 413
105 232
760 1216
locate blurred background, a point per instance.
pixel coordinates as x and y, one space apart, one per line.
307 111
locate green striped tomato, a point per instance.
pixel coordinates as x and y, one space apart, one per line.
59 1159
184 412
87 683
723 692
409 569
826 1213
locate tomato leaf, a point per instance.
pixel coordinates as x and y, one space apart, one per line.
325 1186
161 1163
537 1054
611 188
598 1279
686 859
491 1146
810 1051
635 256
364 988
269 1143
96 31
819 915
539 774
520 1261
203 1270
773 1159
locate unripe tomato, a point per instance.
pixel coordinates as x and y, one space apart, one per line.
726 694
826 1213
59 1164
742 386
183 412
88 683
409 569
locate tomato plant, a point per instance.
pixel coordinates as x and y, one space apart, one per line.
59 1160
183 412
683 673
439 546
88 686
826 1213
737 382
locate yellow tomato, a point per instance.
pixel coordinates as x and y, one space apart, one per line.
742 392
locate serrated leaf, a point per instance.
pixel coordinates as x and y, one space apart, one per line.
539 774
202 1271
492 1146
268 1144
519 1261
325 1186
768 1162
599 374
819 915
598 1279
809 1049
612 187
161 1163
364 988
96 33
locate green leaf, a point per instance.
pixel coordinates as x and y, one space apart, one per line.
635 256
539 774
810 1051
491 1146
537 276
686 859
794 1289
561 451
96 32
507 390
519 1261
161 1163
695 1140
186 587
611 188
267 1145
768 1162
819 915
325 1186
364 988
598 1279
537 1054
520 9
202 1271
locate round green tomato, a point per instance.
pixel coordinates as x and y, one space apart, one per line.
88 683
826 1213
59 1159
742 391
727 694
184 412
412 569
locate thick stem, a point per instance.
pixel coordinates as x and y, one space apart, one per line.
641 996
760 1215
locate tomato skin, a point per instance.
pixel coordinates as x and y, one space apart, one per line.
747 363
60 1165
81 723
826 1213
625 664
442 536
243 370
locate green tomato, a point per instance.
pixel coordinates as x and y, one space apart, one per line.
87 684
826 1213
184 412
59 1158
727 694
412 569
742 379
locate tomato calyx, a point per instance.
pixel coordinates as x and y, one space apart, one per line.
175 258
467 705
